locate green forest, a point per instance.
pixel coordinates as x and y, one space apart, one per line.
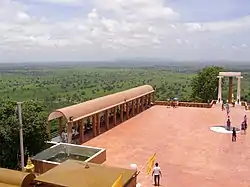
44 89
59 87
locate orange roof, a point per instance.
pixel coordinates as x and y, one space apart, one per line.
74 173
88 108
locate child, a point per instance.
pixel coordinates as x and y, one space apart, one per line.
234 135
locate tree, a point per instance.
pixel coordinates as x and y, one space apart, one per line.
34 131
205 84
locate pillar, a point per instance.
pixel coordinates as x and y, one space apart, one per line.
142 103
60 126
149 99
107 119
133 107
138 105
81 131
121 112
238 90
69 131
146 101
115 113
98 125
127 110
94 125
230 90
219 100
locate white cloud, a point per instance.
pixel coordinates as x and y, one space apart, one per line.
131 28
65 2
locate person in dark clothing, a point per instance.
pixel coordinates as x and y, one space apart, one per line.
243 127
228 124
245 121
234 135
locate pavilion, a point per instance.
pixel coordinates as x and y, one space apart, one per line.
102 112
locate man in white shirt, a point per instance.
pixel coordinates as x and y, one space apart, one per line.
157 174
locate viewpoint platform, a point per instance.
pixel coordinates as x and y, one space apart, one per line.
188 152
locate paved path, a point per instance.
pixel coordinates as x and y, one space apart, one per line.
189 153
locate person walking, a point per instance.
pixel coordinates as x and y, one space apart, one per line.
234 137
228 124
243 127
222 107
157 174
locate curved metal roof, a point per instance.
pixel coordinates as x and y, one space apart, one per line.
88 108
15 178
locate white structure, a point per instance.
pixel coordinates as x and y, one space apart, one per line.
133 167
230 75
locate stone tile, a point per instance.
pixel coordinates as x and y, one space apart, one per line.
189 153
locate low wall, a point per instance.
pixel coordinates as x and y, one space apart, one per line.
187 104
98 158
42 166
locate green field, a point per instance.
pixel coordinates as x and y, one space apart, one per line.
63 86
59 87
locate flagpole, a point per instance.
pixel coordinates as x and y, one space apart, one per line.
21 134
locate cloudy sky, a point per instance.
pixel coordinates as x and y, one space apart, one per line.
73 30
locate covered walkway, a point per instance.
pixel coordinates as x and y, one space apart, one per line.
91 118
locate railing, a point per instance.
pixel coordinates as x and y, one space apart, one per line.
187 104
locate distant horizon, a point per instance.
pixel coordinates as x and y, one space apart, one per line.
126 62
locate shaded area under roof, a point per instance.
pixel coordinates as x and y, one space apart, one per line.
85 109
74 173
12 178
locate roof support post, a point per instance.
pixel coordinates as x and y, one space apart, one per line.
153 97
115 113
121 112
107 119
133 108
98 125
142 103
81 131
94 125
150 99
138 105
69 131
127 110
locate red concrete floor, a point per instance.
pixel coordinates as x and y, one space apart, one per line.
188 152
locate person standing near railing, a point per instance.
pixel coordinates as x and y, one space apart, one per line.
245 122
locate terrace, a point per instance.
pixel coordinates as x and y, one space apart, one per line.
189 153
